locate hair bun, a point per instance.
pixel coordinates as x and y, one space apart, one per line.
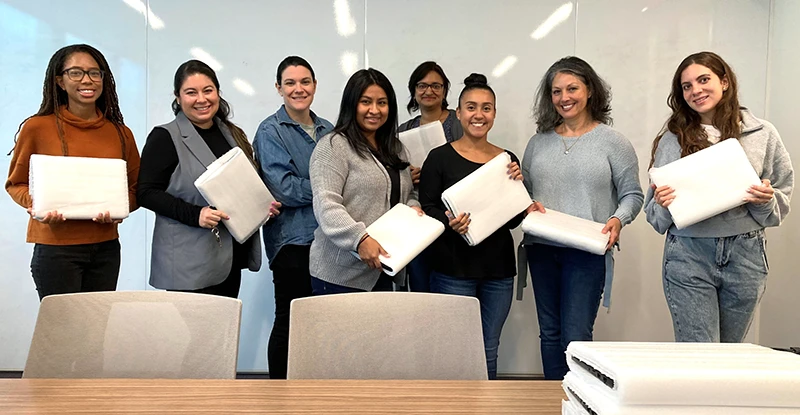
475 79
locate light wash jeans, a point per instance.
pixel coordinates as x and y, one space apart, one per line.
713 285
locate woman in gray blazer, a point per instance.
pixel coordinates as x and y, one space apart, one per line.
192 249
358 172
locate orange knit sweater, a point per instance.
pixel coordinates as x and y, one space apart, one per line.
96 138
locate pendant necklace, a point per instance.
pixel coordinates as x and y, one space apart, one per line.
567 149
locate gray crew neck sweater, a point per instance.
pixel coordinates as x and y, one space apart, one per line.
597 180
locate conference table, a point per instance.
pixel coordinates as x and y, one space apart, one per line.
129 396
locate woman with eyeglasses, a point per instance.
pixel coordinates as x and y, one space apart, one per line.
358 172
79 116
428 87
192 249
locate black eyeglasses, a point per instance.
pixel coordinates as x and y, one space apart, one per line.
77 74
422 86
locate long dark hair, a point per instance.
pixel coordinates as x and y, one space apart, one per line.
598 105
389 146
685 122
53 96
224 113
422 71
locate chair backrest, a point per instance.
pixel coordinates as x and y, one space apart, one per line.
135 334
386 335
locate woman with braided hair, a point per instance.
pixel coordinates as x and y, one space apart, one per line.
79 116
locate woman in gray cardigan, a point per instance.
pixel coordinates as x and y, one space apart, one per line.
358 172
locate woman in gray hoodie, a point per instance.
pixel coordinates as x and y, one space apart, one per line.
715 271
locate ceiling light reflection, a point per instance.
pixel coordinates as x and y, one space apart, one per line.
504 66
244 87
559 16
206 57
154 21
345 23
348 62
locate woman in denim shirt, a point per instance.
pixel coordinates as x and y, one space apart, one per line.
715 271
284 143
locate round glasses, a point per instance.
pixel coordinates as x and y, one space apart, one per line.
422 86
77 74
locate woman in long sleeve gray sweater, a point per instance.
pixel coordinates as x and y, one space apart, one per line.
715 271
575 164
358 172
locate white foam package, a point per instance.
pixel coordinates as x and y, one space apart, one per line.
421 140
232 185
706 183
78 187
489 196
689 374
403 234
567 230
584 395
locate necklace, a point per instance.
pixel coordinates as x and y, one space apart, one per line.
567 149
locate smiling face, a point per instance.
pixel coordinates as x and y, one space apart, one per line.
372 111
569 96
297 88
429 91
83 92
476 111
199 100
702 90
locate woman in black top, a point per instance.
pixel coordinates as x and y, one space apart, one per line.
485 271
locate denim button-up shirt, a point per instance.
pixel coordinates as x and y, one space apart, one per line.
283 150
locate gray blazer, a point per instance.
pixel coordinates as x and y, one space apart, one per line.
349 193
187 257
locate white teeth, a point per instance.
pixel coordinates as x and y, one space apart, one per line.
477 124
567 107
202 108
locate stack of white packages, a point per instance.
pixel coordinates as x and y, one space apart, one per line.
614 378
489 196
403 234
567 230
707 183
232 185
421 140
78 187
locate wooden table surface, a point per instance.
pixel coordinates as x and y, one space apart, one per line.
127 396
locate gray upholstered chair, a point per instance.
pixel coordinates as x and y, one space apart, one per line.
135 334
386 335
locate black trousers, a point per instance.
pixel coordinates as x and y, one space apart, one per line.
66 269
227 288
292 280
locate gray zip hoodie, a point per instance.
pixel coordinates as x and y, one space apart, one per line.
770 160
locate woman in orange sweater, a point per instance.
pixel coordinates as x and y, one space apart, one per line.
79 116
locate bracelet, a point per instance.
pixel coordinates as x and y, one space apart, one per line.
366 235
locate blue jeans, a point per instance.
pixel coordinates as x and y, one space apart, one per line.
495 297
713 285
66 269
567 286
419 273
319 287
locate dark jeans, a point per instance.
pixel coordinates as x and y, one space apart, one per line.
567 286
495 297
292 280
419 273
319 287
65 269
